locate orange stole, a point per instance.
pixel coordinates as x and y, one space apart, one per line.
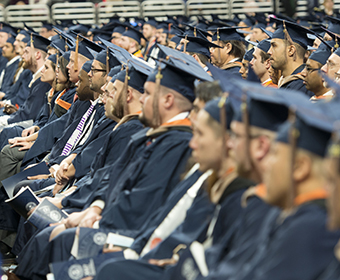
269 84
309 196
138 54
61 102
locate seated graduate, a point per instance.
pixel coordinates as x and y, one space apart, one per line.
286 246
230 56
18 92
331 168
173 212
313 80
34 58
149 168
122 94
248 56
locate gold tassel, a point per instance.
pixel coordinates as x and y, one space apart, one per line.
218 49
125 89
76 55
32 50
107 61
245 116
185 43
293 136
195 33
156 117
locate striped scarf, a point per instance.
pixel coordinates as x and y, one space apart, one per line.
78 131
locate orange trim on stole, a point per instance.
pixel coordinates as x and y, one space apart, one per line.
269 84
184 122
309 196
261 190
61 102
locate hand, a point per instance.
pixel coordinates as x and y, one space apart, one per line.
2 104
91 217
28 131
10 109
24 145
16 140
110 248
2 95
38 177
73 220
163 262
56 201
57 188
61 178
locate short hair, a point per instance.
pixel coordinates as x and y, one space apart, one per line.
206 91
264 56
203 58
238 48
300 51
182 103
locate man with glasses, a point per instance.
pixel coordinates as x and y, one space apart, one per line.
332 65
312 78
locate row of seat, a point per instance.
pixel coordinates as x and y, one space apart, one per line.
90 13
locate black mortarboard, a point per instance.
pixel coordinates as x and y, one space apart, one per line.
248 56
179 72
9 29
227 34
39 42
323 52
297 33
47 25
133 34
137 73
198 45
122 55
334 24
152 21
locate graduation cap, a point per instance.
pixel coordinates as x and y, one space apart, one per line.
108 59
9 29
334 24
68 41
268 33
87 66
80 28
248 56
135 74
133 34
162 25
249 21
10 40
86 47
227 34
293 33
67 55
101 34
53 58
152 21
194 30
198 45
178 72
114 71
29 29
26 34
264 45
121 54
38 42
310 124
47 25
323 52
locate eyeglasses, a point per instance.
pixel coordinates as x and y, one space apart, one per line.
94 71
310 69
332 64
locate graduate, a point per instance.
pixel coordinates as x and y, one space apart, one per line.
27 113
260 63
6 31
131 41
248 56
312 78
7 74
18 92
288 46
142 157
229 58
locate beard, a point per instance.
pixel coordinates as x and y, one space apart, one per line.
119 107
25 64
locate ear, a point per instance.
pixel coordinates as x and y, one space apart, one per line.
302 167
37 55
168 100
196 57
228 47
129 95
267 64
261 147
291 50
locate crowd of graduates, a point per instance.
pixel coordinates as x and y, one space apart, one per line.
181 149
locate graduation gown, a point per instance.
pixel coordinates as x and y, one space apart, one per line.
19 91
9 73
233 68
50 133
145 174
111 150
332 272
295 82
34 102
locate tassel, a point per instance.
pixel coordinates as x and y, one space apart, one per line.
76 55
293 136
32 50
107 61
223 117
125 89
218 49
185 43
156 117
195 33
245 116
